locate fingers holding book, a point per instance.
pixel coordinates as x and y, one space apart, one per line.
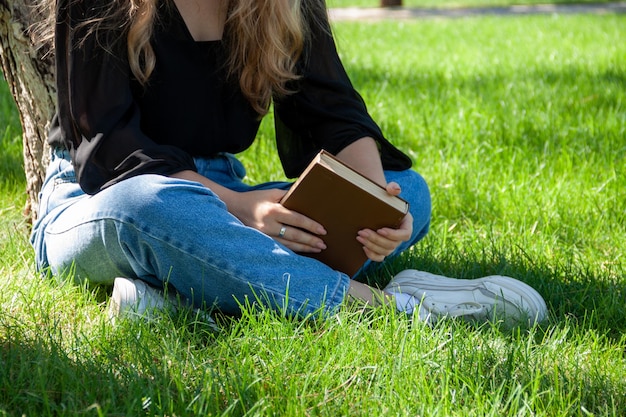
393 188
297 231
261 210
381 243
299 240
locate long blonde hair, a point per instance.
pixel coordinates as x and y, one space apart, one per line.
264 39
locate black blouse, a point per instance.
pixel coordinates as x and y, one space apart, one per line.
115 128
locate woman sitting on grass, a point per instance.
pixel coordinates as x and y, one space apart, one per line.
155 98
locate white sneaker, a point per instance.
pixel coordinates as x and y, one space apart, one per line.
490 298
135 298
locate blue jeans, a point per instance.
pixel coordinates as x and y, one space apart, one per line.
167 231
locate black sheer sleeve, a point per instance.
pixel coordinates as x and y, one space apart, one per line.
98 118
326 112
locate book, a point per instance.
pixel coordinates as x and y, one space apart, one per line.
344 202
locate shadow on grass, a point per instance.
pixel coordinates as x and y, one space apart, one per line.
48 371
11 160
573 292
38 378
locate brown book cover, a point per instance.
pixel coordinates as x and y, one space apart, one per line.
344 202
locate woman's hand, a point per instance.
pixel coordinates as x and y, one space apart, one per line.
381 243
261 210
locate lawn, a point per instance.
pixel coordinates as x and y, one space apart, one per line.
518 125
454 3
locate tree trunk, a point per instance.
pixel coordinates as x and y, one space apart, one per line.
30 74
390 3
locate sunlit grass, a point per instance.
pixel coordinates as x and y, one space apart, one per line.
519 127
454 3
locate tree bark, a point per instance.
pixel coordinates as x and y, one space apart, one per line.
390 3
29 72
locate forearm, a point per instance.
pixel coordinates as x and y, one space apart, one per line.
228 196
363 156
261 210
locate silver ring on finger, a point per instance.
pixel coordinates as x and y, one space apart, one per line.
283 229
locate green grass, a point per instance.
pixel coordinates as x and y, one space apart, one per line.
519 127
455 3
